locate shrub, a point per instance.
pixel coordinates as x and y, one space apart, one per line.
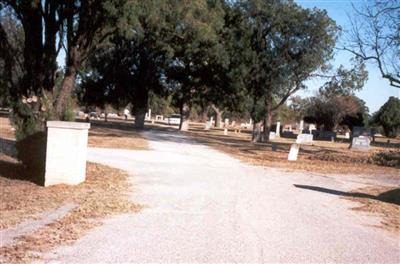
389 117
387 158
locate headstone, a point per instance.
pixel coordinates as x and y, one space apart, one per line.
66 152
304 138
294 151
290 128
207 125
233 123
159 118
312 127
347 135
324 135
225 131
272 135
361 143
274 147
226 122
288 134
301 125
278 128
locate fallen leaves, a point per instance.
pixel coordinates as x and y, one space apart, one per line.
386 204
102 194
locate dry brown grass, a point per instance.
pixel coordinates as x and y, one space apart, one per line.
112 134
322 157
103 193
386 204
6 130
116 134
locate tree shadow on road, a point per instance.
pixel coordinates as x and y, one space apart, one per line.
391 196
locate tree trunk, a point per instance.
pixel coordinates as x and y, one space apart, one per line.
267 124
68 83
105 114
140 114
140 106
218 116
185 114
256 135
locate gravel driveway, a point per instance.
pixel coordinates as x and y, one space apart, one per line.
204 206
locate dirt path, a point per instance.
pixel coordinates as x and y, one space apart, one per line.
204 206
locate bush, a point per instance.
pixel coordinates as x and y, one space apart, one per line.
29 124
389 117
32 152
387 158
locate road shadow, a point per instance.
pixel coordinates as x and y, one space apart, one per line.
392 196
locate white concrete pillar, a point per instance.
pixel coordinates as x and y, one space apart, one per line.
66 152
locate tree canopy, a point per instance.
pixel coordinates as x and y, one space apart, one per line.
388 117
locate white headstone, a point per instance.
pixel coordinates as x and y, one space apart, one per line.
304 138
278 128
272 135
312 127
294 151
226 122
301 126
225 131
361 143
347 135
207 125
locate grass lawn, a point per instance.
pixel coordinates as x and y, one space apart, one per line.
321 157
115 134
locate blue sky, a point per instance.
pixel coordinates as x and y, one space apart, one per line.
377 90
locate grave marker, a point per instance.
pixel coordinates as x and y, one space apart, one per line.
272 135
301 126
294 151
361 143
278 128
304 138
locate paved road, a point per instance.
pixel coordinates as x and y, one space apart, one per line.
204 206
